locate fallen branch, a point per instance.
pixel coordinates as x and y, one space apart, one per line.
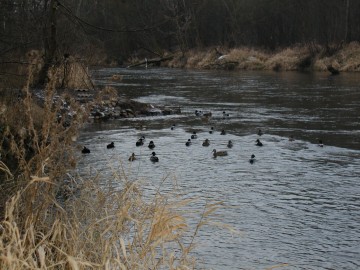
146 62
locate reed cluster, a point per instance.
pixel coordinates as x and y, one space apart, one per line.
53 218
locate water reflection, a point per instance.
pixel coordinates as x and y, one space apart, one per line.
297 204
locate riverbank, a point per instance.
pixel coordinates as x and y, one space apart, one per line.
344 58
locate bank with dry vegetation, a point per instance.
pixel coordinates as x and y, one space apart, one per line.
311 57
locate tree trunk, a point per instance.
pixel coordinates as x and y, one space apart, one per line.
347 22
50 43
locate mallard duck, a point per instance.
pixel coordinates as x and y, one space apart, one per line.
110 145
252 159
188 143
153 157
219 153
140 142
211 130
206 142
320 143
173 127
230 144
223 132
132 157
198 113
258 143
85 150
151 145
260 133
194 136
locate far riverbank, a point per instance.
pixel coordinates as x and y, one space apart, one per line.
342 58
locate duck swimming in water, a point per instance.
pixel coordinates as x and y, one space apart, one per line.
153 157
211 130
132 157
151 145
219 153
260 133
188 143
223 132
140 142
85 150
321 144
194 136
206 142
110 145
230 144
258 143
252 159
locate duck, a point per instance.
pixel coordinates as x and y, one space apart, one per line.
194 136
320 143
206 142
260 133
173 127
153 157
252 159
211 130
291 138
132 157
110 145
140 142
230 144
223 132
219 153
151 145
85 150
198 113
188 143
258 143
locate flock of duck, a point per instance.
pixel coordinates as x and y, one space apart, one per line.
194 136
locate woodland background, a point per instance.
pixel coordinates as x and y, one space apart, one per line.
114 30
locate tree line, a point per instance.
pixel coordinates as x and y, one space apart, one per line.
121 28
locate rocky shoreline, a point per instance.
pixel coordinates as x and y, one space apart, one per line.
120 107
127 108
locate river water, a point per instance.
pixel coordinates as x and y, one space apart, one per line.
297 206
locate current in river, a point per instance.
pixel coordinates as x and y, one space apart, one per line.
297 205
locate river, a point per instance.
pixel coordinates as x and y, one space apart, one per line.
297 206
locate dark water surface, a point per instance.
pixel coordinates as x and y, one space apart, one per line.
298 204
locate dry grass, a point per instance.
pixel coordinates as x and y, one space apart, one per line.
55 219
288 59
98 228
346 59
300 57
